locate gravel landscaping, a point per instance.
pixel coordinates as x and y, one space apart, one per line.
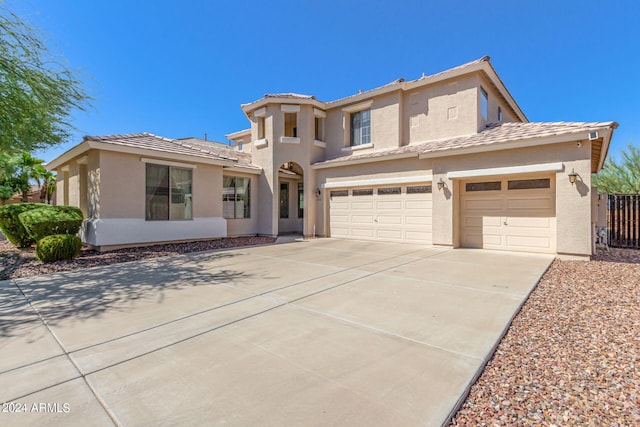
572 355
15 263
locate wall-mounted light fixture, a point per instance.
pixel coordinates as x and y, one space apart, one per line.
317 192
572 176
440 184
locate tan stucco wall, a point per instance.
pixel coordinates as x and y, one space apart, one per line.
122 187
495 101
573 202
440 111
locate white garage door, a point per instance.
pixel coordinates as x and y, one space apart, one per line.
400 213
509 214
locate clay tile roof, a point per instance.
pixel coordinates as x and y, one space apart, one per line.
188 146
493 133
288 95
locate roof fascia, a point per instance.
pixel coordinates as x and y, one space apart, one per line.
364 160
158 153
238 134
68 155
577 136
241 169
247 108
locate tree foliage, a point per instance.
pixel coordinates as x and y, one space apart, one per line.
37 92
17 171
623 177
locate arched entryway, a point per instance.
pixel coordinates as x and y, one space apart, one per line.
290 199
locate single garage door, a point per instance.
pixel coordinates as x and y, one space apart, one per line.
509 214
392 213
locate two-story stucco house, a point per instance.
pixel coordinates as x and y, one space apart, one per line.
448 160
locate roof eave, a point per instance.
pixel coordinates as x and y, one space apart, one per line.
248 108
341 163
238 134
606 142
68 155
506 145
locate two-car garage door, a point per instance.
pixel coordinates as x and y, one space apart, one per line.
391 213
514 214
509 214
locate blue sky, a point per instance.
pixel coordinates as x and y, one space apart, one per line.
182 68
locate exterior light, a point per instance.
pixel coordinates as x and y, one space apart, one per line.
572 176
317 192
440 184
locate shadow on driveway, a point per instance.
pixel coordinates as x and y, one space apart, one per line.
88 294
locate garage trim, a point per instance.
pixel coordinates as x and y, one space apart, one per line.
378 181
541 167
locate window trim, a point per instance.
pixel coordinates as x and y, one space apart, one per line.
361 141
235 194
170 190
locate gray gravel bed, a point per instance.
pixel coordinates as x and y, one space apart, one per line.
571 355
15 263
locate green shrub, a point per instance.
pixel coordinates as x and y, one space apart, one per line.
48 220
58 247
11 226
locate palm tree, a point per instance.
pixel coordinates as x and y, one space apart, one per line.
27 168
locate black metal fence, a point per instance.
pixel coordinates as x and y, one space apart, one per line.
623 222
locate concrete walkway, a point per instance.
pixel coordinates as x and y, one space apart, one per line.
321 332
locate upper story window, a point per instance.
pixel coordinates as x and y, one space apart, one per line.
319 129
239 145
169 192
261 131
484 104
360 128
291 124
499 115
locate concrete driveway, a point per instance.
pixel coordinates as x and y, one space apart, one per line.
322 332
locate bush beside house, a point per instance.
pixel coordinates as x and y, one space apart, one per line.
58 247
55 228
48 220
11 226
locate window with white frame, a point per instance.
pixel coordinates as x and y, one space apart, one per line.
499 115
236 197
168 193
360 128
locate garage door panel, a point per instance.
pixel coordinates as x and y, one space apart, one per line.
529 222
521 220
418 220
340 218
364 204
537 203
484 204
362 232
390 234
418 204
361 219
388 204
529 241
389 219
393 217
